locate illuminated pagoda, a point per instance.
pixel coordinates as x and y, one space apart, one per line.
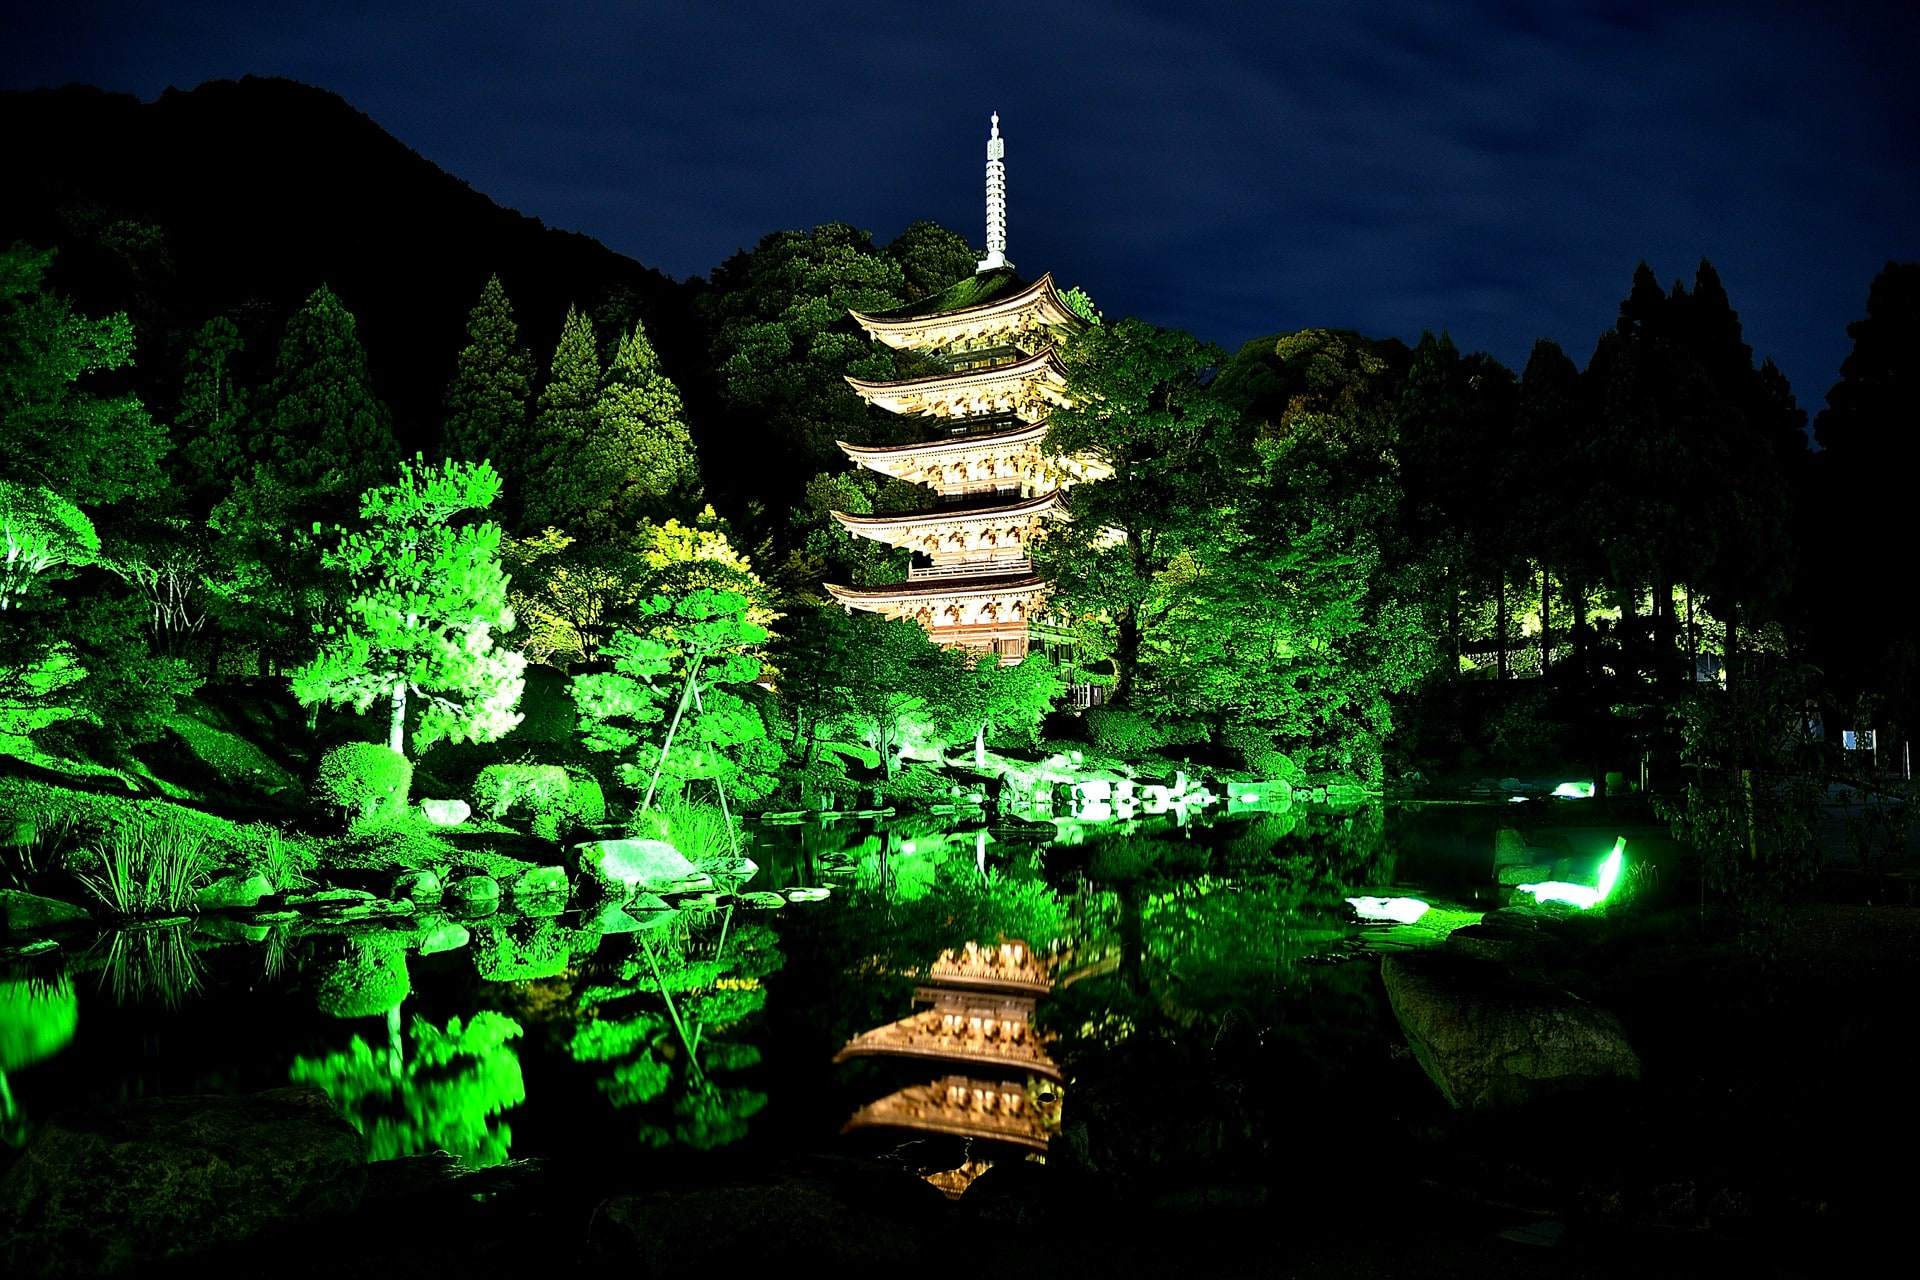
972 583
967 1108
978 1031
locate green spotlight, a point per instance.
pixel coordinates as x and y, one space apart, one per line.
1583 896
1398 910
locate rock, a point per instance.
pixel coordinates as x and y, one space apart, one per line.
474 892
324 901
125 1185
445 936
446 813
1509 846
541 881
29 912
622 866
236 892
1523 873
763 900
1504 937
421 886
227 929
1489 1040
809 894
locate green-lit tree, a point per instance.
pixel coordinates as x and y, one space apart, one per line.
860 676
428 597
486 402
209 428
639 459
94 449
677 705
556 489
1142 408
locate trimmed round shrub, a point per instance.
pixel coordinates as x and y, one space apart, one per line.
366 779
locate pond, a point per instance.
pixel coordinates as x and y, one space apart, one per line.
1168 995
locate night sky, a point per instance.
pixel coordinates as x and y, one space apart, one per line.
1494 169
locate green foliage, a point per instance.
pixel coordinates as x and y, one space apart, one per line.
585 799
783 344
486 402
931 258
1082 306
98 449
428 599
321 431
39 530
1144 412
446 1097
1128 734
368 781
536 788
639 458
722 738
554 490
148 869
865 678
1751 806
698 830
209 427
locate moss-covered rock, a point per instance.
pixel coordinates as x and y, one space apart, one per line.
126 1185
31 913
239 891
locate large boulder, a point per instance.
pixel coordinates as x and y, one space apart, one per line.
31 913
446 813
622 867
1488 1039
238 891
124 1185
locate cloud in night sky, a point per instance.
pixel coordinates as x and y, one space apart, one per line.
1495 169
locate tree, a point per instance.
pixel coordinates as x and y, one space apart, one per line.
676 704
1005 703
554 489
569 597
639 459
823 550
321 428
427 599
1143 413
931 258
486 402
862 676
209 427
92 449
783 344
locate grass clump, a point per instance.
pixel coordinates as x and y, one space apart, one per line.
148 869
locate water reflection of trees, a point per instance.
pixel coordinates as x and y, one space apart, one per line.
664 1028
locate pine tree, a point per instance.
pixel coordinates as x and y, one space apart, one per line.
551 486
429 604
321 428
207 430
486 403
639 454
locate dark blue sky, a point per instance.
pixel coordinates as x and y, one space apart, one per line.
1494 169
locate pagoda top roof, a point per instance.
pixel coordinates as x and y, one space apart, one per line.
980 297
980 290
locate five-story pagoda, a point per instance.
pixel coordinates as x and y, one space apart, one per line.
972 584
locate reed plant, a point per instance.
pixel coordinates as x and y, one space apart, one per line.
698 830
152 964
148 868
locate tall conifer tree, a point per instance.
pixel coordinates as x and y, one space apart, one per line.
322 429
551 485
486 402
639 454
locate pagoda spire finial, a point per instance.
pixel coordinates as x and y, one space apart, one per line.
996 200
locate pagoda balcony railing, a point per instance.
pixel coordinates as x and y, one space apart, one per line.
1022 567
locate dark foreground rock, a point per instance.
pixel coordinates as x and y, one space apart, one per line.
1488 1039
116 1187
837 1213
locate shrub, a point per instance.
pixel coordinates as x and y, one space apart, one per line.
1263 759
368 780
1125 733
534 788
586 802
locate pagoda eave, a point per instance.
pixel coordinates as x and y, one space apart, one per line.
1040 306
